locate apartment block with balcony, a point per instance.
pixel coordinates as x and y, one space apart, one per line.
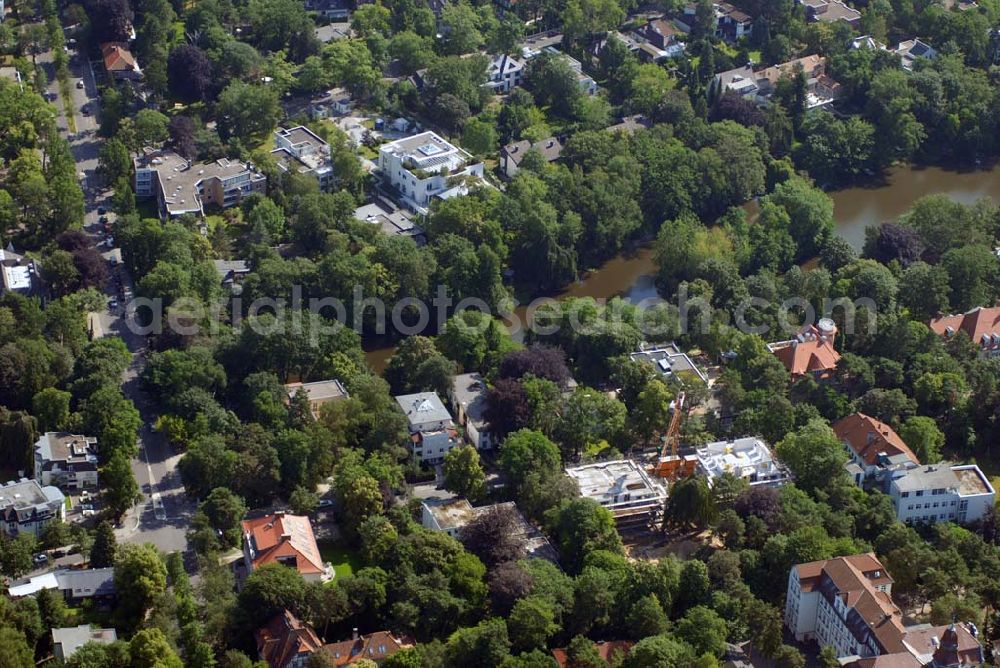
181 187
67 461
425 166
302 151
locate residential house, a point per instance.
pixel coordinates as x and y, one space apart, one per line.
280 538
67 461
513 154
846 603
982 325
65 641
504 73
584 80
610 651
286 641
17 273
468 401
424 166
729 23
333 32
659 39
866 42
630 124
231 272
534 45
453 515
319 392
375 647
624 487
670 363
119 62
333 10
392 221
76 586
27 507
873 447
913 49
758 86
829 11
747 458
811 353
334 102
432 431
302 151
181 187
940 493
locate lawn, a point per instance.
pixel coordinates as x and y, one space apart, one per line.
344 561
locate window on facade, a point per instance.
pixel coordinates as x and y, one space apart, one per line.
920 492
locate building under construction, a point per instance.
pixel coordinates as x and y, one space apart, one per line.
634 497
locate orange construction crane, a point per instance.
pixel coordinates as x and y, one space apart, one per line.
670 464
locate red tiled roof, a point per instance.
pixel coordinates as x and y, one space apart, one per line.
955 644
854 579
808 357
284 638
279 538
117 57
869 437
976 323
376 647
606 650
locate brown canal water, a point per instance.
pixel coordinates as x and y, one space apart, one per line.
631 275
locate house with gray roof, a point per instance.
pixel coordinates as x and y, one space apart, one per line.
468 401
27 507
513 154
17 273
66 641
432 431
74 585
912 49
67 461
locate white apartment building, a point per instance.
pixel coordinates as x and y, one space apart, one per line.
623 487
27 507
425 166
302 151
67 461
845 603
748 458
181 187
941 493
432 431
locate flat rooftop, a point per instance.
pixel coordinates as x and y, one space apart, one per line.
62 446
179 179
469 390
427 151
748 458
24 494
320 390
669 360
16 270
965 479
607 481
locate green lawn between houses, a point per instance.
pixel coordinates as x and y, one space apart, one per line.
344 561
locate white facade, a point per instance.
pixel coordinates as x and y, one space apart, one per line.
941 493
622 486
425 166
504 73
432 431
746 458
299 148
27 507
65 460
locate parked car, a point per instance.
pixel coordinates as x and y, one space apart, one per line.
113 306
101 210
41 558
79 84
103 220
325 503
89 513
85 495
86 506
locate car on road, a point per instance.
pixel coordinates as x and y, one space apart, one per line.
41 558
79 84
325 503
89 513
86 506
113 304
101 210
85 110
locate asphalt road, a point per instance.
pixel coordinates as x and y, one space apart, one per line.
163 514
